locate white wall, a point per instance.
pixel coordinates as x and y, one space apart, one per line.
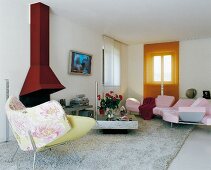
195 65
64 36
135 71
14 43
14 51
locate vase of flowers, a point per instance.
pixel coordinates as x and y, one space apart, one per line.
109 113
109 103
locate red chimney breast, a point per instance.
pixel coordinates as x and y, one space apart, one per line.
40 78
39 34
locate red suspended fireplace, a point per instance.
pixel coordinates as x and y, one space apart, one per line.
40 81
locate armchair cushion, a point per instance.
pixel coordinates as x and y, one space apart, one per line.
80 126
132 105
47 122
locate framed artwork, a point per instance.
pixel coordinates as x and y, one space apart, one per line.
80 63
206 94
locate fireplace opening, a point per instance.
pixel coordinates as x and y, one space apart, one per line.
34 99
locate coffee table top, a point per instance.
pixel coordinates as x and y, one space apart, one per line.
102 123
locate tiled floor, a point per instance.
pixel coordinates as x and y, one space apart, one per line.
196 152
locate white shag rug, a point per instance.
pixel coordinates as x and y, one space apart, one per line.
152 147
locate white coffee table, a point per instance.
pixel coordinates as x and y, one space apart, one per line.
102 123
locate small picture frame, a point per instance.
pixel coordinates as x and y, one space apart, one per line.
206 94
80 63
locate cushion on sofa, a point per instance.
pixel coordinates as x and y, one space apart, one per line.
180 103
159 110
183 103
200 102
171 116
164 101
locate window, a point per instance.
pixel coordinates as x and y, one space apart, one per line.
167 73
162 68
157 68
111 62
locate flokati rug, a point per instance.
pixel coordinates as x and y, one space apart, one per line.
152 147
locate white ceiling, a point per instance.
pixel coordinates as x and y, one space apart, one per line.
144 21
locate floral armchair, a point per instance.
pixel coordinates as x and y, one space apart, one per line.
44 126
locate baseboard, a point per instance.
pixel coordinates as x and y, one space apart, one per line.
2 140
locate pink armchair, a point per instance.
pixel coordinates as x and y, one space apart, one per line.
132 105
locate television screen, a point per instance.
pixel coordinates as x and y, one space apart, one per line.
80 63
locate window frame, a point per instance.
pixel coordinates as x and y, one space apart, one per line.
162 54
162 68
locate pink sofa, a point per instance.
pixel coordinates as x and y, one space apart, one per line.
171 114
158 110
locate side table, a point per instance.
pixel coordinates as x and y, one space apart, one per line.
76 109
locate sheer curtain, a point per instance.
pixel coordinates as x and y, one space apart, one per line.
111 62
